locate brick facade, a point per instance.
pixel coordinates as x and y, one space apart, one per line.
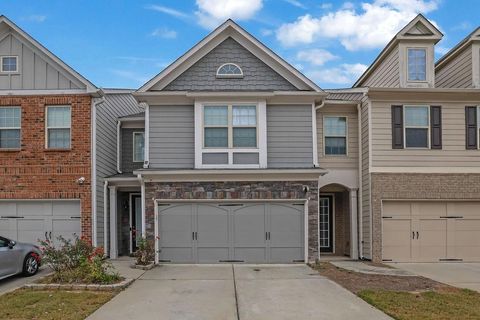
417 186
237 190
36 173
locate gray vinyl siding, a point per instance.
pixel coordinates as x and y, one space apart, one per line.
457 73
289 136
35 70
127 150
365 222
172 143
387 74
257 75
115 105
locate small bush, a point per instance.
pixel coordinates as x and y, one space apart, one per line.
145 253
77 261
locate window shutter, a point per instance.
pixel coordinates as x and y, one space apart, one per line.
471 127
436 127
397 127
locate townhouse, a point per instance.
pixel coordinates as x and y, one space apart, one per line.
232 155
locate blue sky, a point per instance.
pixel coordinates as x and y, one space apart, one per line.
117 43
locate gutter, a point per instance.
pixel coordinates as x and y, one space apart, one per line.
93 141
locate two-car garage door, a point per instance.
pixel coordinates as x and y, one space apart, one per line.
231 232
31 220
425 231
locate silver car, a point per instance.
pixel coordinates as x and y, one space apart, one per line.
16 257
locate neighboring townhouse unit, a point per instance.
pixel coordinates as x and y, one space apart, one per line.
420 152
45 142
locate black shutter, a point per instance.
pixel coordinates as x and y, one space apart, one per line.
436 127
471 127
397 127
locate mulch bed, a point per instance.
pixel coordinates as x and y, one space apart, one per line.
356 282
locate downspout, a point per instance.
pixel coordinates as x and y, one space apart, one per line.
142 190
94 168
119 125
318 107
360 183
105 215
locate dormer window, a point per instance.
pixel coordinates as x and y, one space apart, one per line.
229 70
9 64
417 64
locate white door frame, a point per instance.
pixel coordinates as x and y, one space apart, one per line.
305 215
130 218
332 207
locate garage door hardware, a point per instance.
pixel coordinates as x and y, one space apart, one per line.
452 217
231 205
450 259
75 217
267 235
11 217
194 236
231 261
413 234
387 217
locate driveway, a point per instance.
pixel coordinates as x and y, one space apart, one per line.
15 282
457 274
235 292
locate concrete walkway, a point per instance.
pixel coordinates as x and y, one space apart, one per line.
362 267
246 292
457 274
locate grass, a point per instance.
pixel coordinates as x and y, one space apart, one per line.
51 304
442 304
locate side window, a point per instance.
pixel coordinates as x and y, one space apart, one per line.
417 64
417 126
3 242
9 64
138 147
10 127
335 135
58 127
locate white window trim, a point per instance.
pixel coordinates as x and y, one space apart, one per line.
426 65
261 137
133 144
416 127
218 75
47 127
14 128
1 64
325 136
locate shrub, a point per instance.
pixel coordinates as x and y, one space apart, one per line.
77 261
145 253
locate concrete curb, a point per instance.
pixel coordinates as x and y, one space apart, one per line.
90 287
143 267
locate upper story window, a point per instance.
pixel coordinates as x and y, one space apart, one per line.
10 126
58 129
229 70
335 135
417 126
232 126
472 122
417 64
138 146
9 64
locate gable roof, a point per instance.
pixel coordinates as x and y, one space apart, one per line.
230 29
25 37
473 36
420 28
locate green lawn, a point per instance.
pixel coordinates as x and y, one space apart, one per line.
444 304
51 304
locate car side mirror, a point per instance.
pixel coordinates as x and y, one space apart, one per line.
12 244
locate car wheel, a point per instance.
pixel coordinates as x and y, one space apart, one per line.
30 265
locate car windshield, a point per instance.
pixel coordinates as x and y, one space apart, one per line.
4 242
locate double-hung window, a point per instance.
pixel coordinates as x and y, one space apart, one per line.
335 135
9 64
230 126
58 131
417 64
138 146
10 126
417 126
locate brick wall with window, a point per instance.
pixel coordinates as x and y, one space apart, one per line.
31 170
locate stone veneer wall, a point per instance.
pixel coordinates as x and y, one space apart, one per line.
268 190
416 186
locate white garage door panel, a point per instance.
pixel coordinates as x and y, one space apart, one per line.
30 230
466 237
8 208
249 233
286 237
8 228
34 208
431 244
397 239
212 233
66 228
62 208
465 209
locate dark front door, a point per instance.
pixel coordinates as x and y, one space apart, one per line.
326 223
136 228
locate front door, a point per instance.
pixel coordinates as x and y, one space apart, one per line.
136 218
326 223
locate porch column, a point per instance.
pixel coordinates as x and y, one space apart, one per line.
353 224
113 222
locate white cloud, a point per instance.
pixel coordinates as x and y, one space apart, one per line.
296 3
35 18
167 10
213 12
345 74
164 33
316 57
372 26
326 5
266 32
